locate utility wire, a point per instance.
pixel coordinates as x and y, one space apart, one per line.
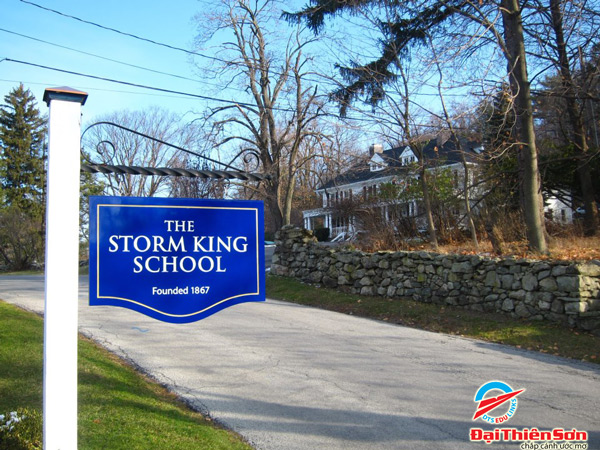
152 88
124 33
203 82
195 80
366 117
88 88
151 41
101 57
142 86
127 83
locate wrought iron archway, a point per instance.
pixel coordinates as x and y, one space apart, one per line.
230 174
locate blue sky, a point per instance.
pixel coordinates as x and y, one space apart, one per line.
168 22
23 26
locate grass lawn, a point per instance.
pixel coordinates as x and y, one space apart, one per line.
118 408
532 335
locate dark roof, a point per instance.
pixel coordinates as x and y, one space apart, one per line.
362 172
434 154
448 152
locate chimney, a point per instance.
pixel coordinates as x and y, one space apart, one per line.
375 148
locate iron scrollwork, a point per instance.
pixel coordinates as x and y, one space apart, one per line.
230 174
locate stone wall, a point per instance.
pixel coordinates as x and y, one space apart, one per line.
559 291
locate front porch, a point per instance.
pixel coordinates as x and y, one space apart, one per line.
324 218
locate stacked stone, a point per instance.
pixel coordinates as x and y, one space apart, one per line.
558 291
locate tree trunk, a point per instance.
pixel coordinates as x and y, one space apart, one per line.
590 221
460 149
427 203
531 193
493 231
289 196
272 189
467 199
274 209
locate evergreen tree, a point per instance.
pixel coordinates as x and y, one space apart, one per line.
22 179
22 131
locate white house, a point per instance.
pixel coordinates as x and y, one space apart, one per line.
559 209
381 167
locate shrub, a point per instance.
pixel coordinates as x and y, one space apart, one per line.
21 430
21 239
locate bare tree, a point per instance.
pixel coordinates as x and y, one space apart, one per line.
280 109
455 137
399 124
108 144
330 151
190 187
326 157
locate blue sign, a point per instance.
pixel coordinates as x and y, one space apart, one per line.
177 260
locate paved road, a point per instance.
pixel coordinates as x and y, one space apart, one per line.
269 250
291 377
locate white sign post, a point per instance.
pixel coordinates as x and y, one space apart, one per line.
62 268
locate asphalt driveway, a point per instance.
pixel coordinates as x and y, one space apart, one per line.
292 377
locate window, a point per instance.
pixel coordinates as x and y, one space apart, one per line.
408 160
375 167
412 209
340 222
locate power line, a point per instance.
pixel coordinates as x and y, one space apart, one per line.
87 88
142 86
101 57
127 83
151 41
124 33
204 82
162 44
187 94
367 117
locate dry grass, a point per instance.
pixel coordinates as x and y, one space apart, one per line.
561 248
575 248
566 243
